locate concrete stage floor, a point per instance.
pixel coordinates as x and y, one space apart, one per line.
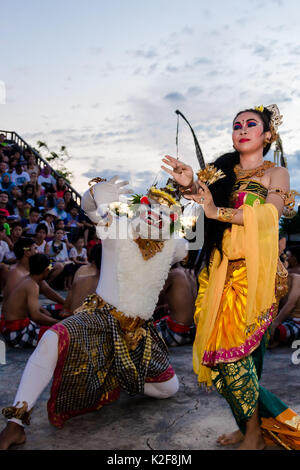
191 420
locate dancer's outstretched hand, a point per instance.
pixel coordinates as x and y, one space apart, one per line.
183 174
110 191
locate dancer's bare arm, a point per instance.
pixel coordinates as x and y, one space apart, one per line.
34 307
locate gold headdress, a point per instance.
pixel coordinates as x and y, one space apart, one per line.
275 120
167 195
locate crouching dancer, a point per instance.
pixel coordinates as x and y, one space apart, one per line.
110 343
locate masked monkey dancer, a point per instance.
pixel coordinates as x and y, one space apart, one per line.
111 337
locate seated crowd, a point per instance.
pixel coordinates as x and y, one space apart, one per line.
34 204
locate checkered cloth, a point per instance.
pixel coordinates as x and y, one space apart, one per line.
27 337
95 361
173 333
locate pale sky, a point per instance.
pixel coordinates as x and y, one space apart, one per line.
105 77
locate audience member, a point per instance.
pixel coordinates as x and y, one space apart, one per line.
60 187
35 183
92 240
48 220
31 224
293 259
3 168
15 235
4 202
19 176
3 221
19 210
7 147
59 210
32 166
29 192
47 198
4 248
59 224
74 224
46 180
58 253
69 201
85 281
41 232
14 194
177 300
23 318
6 184
23 249
28 205
286 326
78 253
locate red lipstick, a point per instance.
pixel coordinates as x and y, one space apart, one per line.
244 140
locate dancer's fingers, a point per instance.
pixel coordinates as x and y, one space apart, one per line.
173 162
114 179
203 186
122 183
172 173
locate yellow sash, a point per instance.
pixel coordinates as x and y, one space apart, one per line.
257 242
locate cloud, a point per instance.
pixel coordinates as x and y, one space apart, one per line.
295 50
61 131
194 91
152 67
174 96
263 51
188 30
171 68
145 54
202 61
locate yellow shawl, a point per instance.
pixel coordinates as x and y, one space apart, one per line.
257 242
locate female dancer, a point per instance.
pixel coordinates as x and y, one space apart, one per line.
238 296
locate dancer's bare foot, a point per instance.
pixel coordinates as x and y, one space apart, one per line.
232 438
253 441
13 434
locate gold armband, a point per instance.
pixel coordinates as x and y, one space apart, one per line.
225 214
279 192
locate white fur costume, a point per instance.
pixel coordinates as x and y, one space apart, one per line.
127 282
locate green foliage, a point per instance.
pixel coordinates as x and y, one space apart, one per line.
135 199
57 160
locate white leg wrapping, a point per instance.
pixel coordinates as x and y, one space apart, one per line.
162 389
38 372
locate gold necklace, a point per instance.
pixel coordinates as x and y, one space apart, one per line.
149 248
242 174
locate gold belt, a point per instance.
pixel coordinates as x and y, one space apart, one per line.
131 327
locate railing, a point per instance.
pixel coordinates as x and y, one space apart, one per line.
22 144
